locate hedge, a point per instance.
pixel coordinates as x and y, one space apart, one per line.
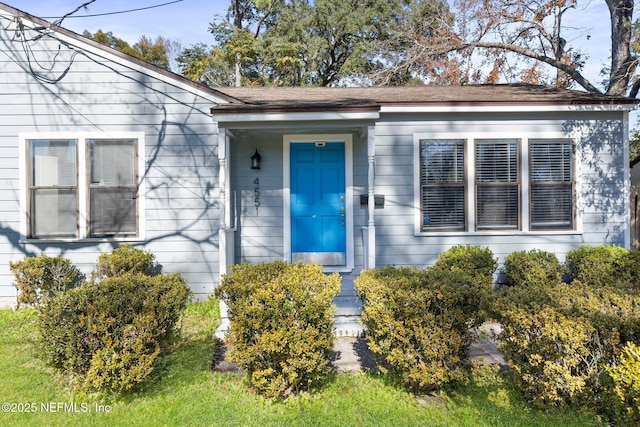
605 266
420 322
108 334
560 339
41 277
532 268
281 331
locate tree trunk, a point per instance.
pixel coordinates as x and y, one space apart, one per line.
237 22
238 71
623 63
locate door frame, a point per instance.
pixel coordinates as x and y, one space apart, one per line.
347 139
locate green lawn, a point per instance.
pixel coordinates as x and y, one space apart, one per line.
185 392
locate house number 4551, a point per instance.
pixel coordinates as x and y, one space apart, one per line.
256 194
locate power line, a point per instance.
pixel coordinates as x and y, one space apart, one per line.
59 21
112 13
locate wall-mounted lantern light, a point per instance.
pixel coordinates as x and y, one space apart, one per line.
255 160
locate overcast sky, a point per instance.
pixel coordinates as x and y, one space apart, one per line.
188 22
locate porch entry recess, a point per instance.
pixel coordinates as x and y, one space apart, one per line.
318 203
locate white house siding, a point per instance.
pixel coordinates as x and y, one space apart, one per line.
66 86
600 176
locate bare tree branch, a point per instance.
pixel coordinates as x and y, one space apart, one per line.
557 63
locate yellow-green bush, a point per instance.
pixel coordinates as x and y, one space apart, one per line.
419 321
560 339
108 334
622 401
125 259
531 268
475 262
281 324
605 266
41 277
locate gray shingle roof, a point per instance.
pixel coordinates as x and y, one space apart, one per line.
305 98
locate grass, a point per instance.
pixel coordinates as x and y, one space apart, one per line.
184 391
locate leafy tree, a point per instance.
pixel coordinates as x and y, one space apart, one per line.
107 39
417 46
159 52
322 42
206 65
634 144
292 42
237 35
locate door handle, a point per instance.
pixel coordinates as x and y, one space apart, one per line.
342 216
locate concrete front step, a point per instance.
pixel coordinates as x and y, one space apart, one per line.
348 311
343 326
347 326
347 306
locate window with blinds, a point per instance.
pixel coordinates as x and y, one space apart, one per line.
442 184
551 184
53 188
112 187
60 192
497 184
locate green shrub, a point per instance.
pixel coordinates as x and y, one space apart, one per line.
476 262
108 334
532 268
558 340
41 277
123 260
631 271
622 402
419 322
281 327
604 266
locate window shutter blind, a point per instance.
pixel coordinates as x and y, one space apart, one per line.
497 184
113 190
551 175
113 211
53 191
113 162
442 184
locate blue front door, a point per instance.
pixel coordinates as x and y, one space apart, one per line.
318 231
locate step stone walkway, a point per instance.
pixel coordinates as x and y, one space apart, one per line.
351 354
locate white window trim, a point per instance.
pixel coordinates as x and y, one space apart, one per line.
348 148
82 139
523 149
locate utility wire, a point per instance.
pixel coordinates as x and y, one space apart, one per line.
42 31
109 13
59 21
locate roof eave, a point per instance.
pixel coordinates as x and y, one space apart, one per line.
501 107
229 113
